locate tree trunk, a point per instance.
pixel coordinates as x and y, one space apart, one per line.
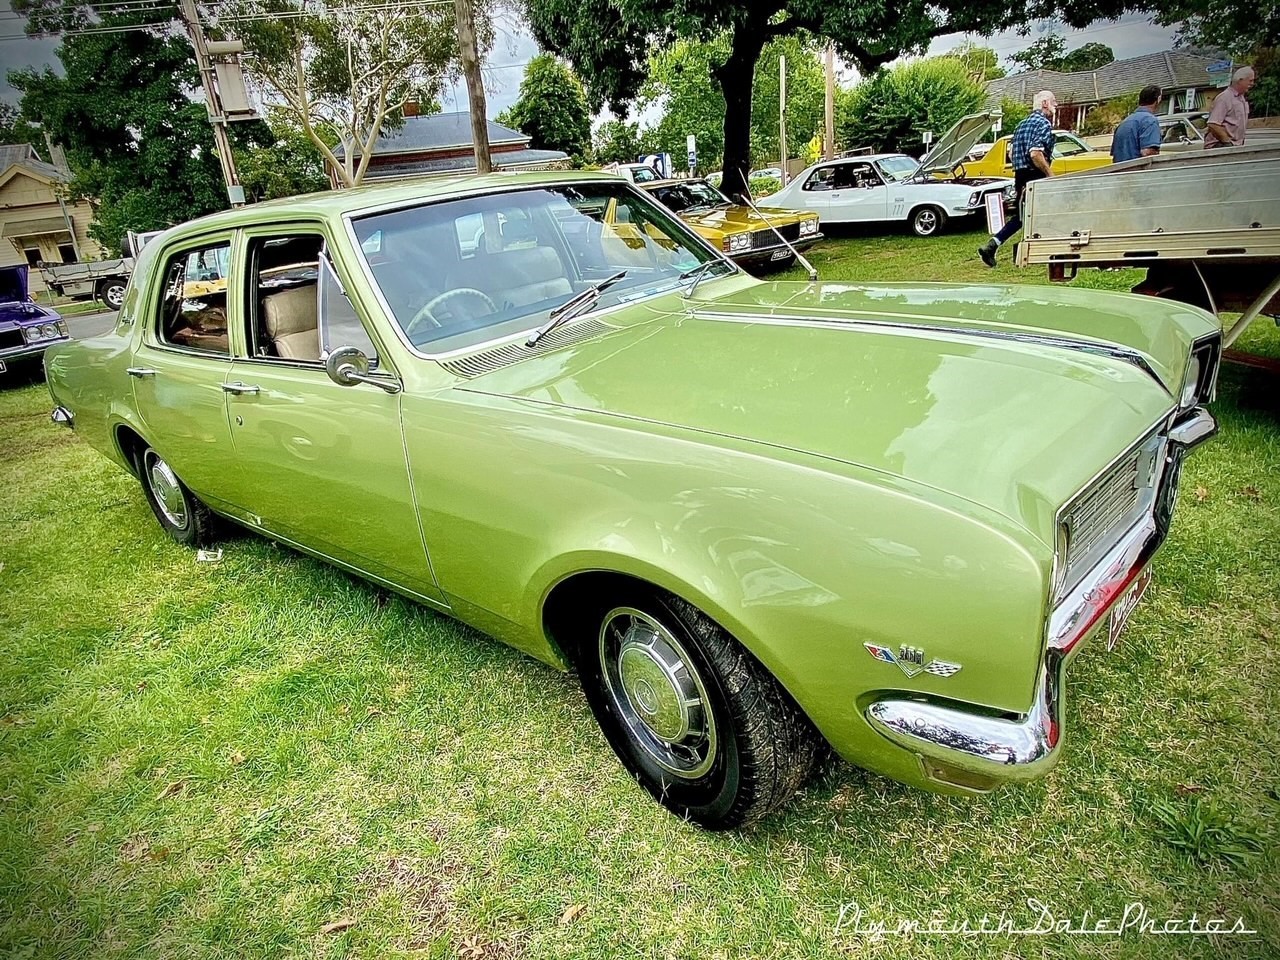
470 58
736 78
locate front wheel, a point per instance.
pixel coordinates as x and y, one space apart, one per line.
179 511
928 221
695 719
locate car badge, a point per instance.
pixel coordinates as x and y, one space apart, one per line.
910 660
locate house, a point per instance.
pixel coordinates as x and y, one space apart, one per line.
441 144
1190 82
37 223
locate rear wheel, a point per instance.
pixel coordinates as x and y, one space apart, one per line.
695 719
179 511
928 221
111 293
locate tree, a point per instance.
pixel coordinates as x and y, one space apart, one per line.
617 141
607 41
890 110
139 145
1236 27
1045 54
1091 56
552 108
346 66
14 128
981 63
805 98
287 163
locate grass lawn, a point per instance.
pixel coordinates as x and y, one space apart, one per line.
264 757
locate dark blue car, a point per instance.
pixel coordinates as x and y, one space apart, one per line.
26 328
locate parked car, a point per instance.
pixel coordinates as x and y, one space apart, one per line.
750 238
27 329
635 172
892 187
753 516
1070 154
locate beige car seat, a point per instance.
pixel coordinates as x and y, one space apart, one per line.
291 320
527 276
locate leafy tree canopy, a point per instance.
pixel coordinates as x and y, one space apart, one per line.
552 109
982 63
890 111
617 141
609 41
1050 53
14 128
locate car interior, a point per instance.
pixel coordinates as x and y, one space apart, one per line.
284 309
194 304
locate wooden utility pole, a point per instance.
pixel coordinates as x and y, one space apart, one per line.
222 143
829 141
782 115
470 57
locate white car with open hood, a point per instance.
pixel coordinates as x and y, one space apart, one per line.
894 187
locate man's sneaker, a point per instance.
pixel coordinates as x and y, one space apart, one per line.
988 253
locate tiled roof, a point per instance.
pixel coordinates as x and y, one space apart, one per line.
440 131
24 155
1172 70
508 160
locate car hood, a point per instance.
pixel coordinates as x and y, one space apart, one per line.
737 218
952 147
13 284
903 381
15 307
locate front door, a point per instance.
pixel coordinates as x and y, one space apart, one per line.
318 463
182 360
858 194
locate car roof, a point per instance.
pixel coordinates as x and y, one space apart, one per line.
338 203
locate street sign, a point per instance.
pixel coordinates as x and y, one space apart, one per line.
691 142
1218 66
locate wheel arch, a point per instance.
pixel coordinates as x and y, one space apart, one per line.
129 445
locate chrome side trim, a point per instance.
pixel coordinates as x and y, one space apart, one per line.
1003 750
63 416
1063 343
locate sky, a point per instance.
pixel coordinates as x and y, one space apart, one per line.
1128 37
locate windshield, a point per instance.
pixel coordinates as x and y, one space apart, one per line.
689 196
462 272
644 174
898 168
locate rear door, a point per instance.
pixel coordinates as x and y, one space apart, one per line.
182 360
320 464
858 193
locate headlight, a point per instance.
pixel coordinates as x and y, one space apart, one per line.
974 198
736 242
33 334
50 331
808 226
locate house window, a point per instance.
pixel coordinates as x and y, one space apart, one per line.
68 253
33 256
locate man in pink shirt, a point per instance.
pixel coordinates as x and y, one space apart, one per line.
1229 115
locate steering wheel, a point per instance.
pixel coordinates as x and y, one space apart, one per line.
425 312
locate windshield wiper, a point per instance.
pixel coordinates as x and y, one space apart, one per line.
573 306
697 273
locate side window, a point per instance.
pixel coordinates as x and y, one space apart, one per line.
820 179
193 303
1066 146
282 313
340 325
853 175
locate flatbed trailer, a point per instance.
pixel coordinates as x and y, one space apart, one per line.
1205 225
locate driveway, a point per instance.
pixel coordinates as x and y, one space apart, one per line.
91 325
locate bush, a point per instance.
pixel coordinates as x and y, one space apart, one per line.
763 186
1105 117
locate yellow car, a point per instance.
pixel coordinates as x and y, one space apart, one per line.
1070 154
747 237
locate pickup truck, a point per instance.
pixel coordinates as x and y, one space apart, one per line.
1205 224
103 279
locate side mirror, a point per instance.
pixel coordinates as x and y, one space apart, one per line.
348 366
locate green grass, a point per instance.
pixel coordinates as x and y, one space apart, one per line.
221 760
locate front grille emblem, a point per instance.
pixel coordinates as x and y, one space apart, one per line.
910 660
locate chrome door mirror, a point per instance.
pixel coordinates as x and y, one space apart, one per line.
348 366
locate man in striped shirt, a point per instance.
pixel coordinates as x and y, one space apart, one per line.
1032 155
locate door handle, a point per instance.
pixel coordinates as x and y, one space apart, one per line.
140 372
239 388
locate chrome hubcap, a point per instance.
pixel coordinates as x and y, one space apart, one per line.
926 221
168 493
656 692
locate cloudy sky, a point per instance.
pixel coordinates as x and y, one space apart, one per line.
1128 37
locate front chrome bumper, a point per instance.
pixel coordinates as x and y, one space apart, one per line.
960 747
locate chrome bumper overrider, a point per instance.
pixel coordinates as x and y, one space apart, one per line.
991 750
63 416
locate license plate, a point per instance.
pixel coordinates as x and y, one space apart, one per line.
780 254
3 368
1124 606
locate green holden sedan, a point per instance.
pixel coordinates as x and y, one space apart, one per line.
756 518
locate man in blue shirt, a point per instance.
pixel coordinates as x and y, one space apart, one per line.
1139 134
1032 156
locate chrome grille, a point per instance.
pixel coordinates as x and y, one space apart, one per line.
505 354
1109 506
11 338
767 238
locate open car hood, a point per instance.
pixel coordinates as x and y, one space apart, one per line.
13 284
952 147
